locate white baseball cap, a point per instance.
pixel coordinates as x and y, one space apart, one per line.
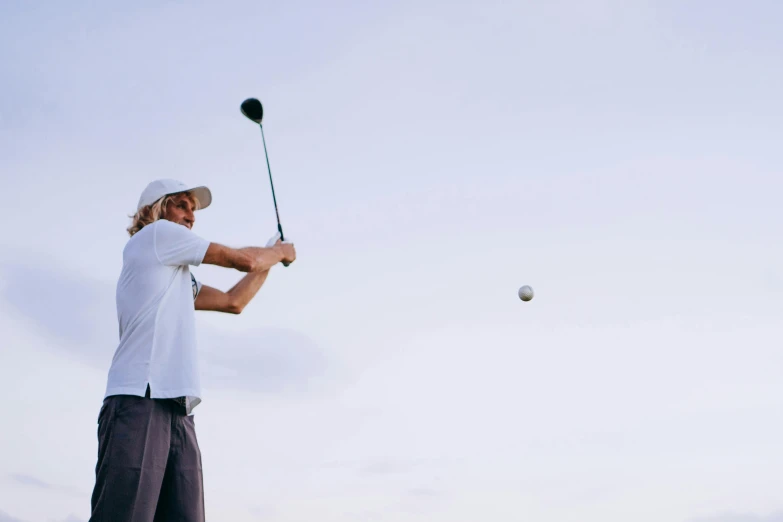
165 187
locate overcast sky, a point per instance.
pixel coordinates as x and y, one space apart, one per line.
430 157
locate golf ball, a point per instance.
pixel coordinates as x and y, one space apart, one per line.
525 293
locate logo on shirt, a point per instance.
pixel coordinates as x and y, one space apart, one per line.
194 286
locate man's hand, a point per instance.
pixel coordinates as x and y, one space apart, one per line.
287 252
287 255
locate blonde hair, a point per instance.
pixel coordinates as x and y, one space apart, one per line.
151 213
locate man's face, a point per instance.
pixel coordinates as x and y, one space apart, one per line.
180 210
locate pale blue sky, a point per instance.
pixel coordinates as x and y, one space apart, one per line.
621 157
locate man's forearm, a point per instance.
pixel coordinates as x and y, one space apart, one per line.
245 289
249 259
264 258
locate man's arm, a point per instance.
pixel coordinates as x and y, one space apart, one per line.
233 301
255 260
248 259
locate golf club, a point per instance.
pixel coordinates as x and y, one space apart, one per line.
254 111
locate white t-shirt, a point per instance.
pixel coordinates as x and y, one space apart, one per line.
155 296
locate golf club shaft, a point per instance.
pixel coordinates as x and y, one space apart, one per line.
271 183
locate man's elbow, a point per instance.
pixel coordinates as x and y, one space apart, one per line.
233 307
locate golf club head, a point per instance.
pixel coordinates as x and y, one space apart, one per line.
253 110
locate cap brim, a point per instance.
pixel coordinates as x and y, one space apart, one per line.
203 194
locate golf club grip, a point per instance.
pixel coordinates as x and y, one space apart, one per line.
280 229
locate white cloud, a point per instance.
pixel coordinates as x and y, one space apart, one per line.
741 517
5 517
34 482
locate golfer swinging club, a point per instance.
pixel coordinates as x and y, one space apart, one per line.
149 462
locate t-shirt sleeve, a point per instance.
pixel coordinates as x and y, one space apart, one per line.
178 245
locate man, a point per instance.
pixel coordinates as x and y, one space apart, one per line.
149 462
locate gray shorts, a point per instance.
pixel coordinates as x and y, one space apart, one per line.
149 463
